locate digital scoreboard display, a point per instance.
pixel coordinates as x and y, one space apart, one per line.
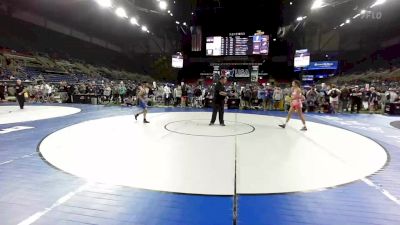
177 61
214 46
302 58
240 45
235 45
260 44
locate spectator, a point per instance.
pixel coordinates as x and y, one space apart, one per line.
107 93
344 99
115 93
178 95
356 100
277 97
312 99
288 99
167 95
261 95
184 97
391 95
121 91
269 93
70 91
247 97
323 101
198 99
373 100
334 94
82 89
3 88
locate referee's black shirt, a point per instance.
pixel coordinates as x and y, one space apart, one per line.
19 88
219 99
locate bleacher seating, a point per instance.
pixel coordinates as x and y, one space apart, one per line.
32 72
6 73
81 77
28 66
56 78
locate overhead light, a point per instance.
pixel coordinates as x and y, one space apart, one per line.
144 28
192 13
299 18
134 21
274 39
378 2
104 3
184 24
348 21
317 4
121 12
169 11
291 3
177 22
363 11
171 14
342 24
163 5
354 17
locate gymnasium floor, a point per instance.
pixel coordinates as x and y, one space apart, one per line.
85 164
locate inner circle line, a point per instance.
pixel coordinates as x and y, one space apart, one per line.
200 135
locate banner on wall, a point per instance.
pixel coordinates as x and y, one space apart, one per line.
321 65
254 74
239 73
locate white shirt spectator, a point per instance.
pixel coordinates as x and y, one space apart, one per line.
278 94
392 96
178 92
107 91
48 88
334 99
167 91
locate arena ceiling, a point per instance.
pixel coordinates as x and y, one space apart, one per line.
215 16
87 16
335 12
225 16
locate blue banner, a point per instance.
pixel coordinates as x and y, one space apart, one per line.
321 65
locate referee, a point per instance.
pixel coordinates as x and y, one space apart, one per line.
219 101
19 94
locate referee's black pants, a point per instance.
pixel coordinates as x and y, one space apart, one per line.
218 108
21 100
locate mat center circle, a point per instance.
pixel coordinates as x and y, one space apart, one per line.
198 127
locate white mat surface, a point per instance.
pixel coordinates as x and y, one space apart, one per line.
119 150
13 114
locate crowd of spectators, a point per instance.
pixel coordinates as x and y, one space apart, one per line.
323 98
340 94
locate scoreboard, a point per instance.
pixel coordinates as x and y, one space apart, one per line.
235 46
240 45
